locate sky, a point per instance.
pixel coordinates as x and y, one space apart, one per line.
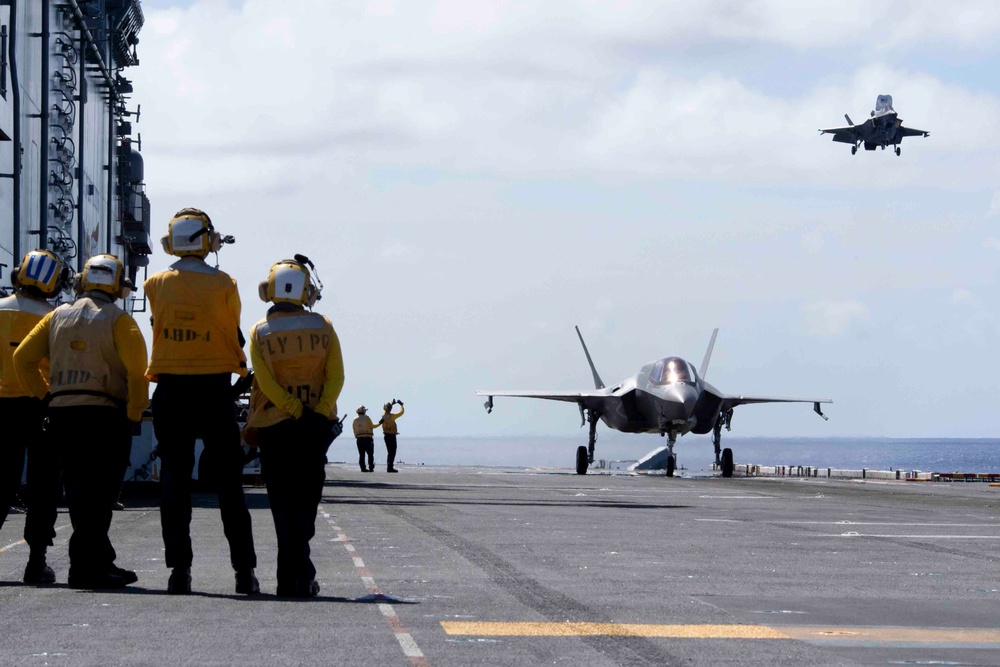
473 179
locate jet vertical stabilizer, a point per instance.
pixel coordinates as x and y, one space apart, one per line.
703 371
598 382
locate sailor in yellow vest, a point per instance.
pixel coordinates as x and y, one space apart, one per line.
97 390
197 347
298 375
38 277
364 431
390 431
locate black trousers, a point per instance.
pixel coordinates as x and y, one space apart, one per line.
390 449
22 433
366 448
90 440
185 408
293 469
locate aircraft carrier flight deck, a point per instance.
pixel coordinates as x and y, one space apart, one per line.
464 565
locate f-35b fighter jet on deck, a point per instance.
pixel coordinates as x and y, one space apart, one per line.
666 396
884 128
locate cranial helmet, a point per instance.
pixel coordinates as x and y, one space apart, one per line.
387 407
41 270
103 273
362 410
190 233
289 281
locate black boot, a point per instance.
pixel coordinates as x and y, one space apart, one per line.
246 582
180 581
38 573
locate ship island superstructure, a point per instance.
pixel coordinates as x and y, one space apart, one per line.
71 175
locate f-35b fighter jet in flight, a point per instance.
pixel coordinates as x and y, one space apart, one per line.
884 128
666 396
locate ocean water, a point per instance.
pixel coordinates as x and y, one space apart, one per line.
696 453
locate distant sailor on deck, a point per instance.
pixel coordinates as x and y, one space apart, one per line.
390 431
197 347
364 431
298 375
97 390
38 277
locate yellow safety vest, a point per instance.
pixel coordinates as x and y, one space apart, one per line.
18 316
84 366
196 319
389 422
294 346
363 427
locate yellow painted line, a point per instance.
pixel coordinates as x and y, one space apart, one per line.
20 542
896 635
529 629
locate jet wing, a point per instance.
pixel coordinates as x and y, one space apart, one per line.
730 402
911 132
845 135
567 396
733 401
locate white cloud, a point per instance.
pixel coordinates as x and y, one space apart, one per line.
995 204
504 89
964 297
399 253
833 318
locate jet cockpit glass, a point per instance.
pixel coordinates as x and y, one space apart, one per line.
672 370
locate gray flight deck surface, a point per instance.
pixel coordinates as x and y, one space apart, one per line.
463 566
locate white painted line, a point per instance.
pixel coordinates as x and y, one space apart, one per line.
403 637
410 648
884 523
740 497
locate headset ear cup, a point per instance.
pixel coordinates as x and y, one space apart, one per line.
214 241
165 242
15 277
262 291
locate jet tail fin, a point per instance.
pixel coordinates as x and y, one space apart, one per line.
598 382
708 355
848 118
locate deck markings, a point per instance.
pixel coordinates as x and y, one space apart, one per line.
406 642
570 629
887 635
919 537
20 542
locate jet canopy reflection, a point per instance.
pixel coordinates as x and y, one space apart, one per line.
672 370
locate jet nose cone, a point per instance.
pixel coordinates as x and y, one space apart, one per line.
682 394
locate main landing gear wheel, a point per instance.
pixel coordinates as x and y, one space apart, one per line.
854 149
581 460
671 465
898 151
727 462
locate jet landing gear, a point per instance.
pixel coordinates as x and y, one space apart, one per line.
585 455
854 149
898 151
723 457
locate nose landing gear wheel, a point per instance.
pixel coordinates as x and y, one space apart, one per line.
854 149
581 460
727 462
898 151
671 465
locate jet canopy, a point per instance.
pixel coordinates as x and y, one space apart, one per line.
883 103
672 370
